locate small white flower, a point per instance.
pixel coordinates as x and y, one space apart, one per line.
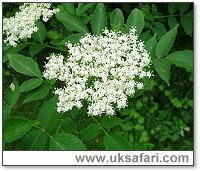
140 85
104 70
22 25
12 86
183 129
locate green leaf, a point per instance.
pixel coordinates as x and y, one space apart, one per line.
6 112
72 22
147 25
34 140
74 112
148 83
30 84
12 50
68 125
53 34
149 17
24 65
116 142
56 125
90 132
136 19
182 59
40 35
110 122
6 46
37 94
187 23
184 7
73 38
159 29
172 7
86 19
162 67
127 126
166 42
116 19
35 49
144 36
15 128
69 7
83 8
63 141
172 22
47 113
144 137
12 94
150 46
99 19
51 81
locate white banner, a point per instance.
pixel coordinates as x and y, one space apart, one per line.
98 158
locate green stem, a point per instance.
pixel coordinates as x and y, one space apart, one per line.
174 15
50 136
58 127
47 84
43 130
7 104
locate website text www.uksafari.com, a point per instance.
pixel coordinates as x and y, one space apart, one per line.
137 159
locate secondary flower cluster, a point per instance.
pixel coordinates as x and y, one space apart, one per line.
103 70
22 25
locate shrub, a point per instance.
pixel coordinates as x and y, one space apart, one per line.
128 66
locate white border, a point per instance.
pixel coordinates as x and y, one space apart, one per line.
149 158
196 100
99 1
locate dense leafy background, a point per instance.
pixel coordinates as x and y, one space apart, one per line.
158 118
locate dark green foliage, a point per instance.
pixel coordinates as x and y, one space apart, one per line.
47 113
34 140
159 117
14 128
40 35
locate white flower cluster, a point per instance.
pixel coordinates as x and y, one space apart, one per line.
103 70
22 25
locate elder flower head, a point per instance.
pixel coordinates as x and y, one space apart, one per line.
104 70
22 25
